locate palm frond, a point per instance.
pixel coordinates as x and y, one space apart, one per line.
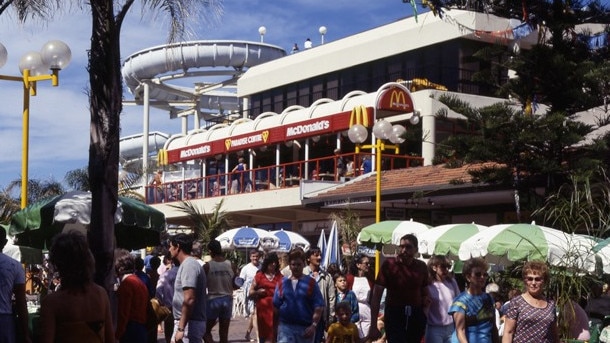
206 226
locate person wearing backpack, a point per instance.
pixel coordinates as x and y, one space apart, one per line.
299 303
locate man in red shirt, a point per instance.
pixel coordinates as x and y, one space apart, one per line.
405 280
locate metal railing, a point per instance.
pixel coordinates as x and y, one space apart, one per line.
276 176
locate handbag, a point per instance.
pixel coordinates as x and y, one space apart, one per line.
159 312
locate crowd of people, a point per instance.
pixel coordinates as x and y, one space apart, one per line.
289 298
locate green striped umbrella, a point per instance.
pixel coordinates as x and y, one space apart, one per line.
446 239
506 243
389 231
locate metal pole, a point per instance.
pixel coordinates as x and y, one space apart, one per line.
146 133
25 139
377 198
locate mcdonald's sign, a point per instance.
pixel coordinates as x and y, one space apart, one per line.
360 116
395 99
162 157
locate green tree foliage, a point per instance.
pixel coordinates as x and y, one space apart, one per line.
348 224
534 136
8 206
78 179
37 189
581 205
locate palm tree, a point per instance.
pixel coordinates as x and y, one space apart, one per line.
206 226
8 206
105 100
78 179
37 189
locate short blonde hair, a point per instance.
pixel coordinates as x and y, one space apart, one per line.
536 267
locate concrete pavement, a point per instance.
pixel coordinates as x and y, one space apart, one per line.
237 331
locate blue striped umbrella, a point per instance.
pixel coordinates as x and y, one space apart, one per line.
289 240
247 238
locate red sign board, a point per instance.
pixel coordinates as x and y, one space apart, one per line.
395 99
299 130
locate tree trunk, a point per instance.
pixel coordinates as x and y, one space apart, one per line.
105 107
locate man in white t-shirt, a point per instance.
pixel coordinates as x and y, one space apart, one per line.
247 274
190 301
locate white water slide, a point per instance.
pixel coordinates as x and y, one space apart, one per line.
196 75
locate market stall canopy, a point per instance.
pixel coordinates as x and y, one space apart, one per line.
137 225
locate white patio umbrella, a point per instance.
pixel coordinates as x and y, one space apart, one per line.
446 239
408 227
247 238
506 243
602 251
287 240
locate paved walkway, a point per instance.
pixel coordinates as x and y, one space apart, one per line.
237 331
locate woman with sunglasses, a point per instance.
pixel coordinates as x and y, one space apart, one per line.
442 290
359 282
473 310
531 317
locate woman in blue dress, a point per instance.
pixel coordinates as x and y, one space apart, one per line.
473 310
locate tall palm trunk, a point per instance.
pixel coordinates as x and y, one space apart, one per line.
105 107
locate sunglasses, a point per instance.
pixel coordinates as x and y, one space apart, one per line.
446 266
533 279
367 263
406 246
479 274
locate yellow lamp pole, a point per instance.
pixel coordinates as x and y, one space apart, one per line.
382 130
55 55
379 147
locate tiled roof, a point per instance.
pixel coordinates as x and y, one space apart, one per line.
407 180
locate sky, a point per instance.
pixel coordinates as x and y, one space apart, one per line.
59 116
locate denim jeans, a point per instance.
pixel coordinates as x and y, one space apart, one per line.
439 333
290 333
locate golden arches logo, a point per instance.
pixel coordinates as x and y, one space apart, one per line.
359 116
162 158
398 99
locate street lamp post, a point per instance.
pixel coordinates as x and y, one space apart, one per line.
322 31
262 31
34 66
382 130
